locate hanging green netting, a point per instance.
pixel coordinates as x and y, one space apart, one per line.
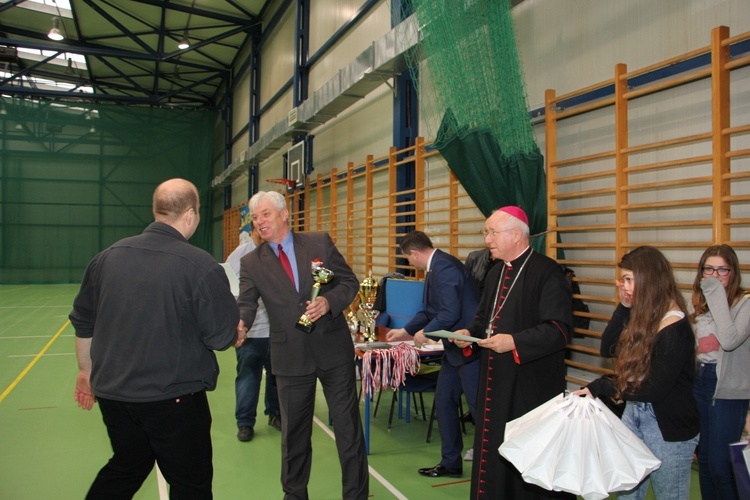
468 54
473 102
75 178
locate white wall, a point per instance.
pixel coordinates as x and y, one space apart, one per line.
571 44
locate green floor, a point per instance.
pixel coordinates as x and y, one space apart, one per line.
49 448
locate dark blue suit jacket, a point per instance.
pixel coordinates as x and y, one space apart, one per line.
449 302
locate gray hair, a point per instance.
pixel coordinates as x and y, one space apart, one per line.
274 197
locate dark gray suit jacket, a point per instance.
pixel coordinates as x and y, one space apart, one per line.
293 352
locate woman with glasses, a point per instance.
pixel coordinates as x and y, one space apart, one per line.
721 315
653 345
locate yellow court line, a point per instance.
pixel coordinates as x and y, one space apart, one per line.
33 361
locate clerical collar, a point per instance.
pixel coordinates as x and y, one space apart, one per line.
510 263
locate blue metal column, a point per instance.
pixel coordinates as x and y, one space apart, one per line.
405 131
301 51
301 75
254 131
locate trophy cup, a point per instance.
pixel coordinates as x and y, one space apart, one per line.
353 323
368 291
321 276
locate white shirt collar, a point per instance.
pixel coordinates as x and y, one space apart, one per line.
510 262
429 261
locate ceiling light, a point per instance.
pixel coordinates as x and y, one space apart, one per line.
184 43
55 33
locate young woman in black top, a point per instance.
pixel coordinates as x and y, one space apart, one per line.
654 349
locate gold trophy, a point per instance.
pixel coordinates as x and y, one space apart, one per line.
368 291
353 323
321 276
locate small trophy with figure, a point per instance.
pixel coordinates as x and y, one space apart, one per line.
321 276
368 292
353 323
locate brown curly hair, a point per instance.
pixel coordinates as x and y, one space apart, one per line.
654 294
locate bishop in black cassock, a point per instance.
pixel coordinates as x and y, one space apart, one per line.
525 316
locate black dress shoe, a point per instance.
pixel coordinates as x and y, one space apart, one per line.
440 471
466 418
245 433
275 422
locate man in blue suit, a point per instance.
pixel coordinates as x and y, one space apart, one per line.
449 302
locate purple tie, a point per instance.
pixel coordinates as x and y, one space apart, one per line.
286 265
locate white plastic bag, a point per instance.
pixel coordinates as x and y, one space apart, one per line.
576 444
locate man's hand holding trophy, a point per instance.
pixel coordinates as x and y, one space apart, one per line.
321 276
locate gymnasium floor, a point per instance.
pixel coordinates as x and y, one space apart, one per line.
49 448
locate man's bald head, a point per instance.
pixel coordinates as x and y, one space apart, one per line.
173 198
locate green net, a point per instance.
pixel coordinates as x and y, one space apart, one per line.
468 54
74 179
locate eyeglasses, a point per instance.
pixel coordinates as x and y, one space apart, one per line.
492 232
721 271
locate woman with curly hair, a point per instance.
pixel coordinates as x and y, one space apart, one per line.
721 317
653 345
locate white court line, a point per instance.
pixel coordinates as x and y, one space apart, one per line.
373 472
162 483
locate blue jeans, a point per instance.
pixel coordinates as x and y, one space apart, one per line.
252 357
672 479
721 424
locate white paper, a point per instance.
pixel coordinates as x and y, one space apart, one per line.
745 452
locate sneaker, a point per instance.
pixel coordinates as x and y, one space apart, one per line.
245 433
469 455
275 422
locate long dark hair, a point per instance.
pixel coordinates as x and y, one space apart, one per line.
654 293
734 290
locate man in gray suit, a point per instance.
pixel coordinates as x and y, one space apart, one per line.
279 272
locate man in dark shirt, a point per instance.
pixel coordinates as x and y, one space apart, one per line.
150 312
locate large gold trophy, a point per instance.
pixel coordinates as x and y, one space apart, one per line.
368 291
321 276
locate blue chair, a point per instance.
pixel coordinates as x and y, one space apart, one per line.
418 384
403 299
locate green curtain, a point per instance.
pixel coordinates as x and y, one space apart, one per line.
493 179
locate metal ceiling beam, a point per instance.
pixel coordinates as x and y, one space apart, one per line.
198 12
10 5
114 22
93 50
